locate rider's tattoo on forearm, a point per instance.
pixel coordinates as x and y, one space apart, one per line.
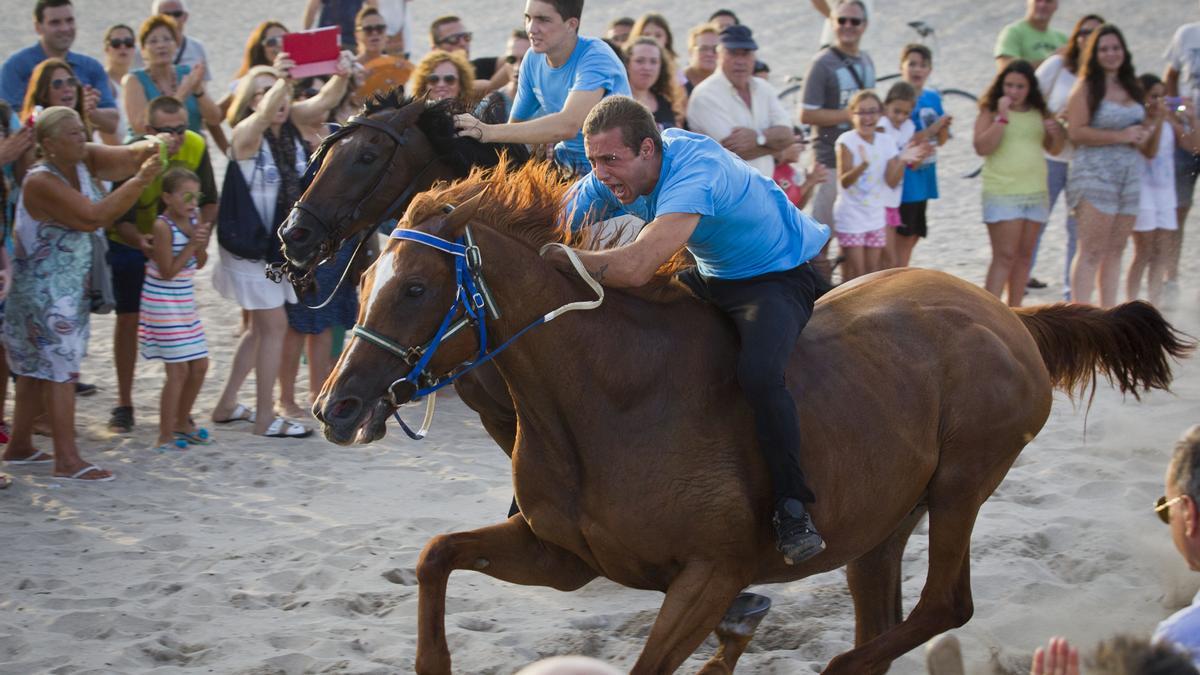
598 275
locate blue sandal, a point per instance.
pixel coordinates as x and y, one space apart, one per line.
198 437
177 444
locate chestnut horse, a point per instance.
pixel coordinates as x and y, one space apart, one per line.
635 456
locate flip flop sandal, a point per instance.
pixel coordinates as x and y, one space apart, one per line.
240 414
177 444
198 437
281 428
78 476
38 457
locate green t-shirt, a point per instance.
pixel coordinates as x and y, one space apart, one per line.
1022 41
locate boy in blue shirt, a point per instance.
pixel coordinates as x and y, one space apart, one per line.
562 78
933 126
752 248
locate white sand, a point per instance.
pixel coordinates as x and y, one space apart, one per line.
257 556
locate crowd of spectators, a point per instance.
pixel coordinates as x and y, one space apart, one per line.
86 144
1127 165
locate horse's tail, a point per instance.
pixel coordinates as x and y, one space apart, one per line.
1130 344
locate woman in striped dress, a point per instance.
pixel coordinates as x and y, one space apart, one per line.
169 327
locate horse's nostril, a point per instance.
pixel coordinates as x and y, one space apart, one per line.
345 408
297 234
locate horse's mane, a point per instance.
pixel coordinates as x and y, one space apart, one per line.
526 204
436 121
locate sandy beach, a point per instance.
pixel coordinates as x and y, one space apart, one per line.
259 556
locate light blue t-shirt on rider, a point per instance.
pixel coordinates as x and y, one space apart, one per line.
747 225
542 90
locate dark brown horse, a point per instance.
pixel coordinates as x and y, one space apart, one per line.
635 458
367 173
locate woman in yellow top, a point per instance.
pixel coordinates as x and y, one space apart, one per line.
1012 130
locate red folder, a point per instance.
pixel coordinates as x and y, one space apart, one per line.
315 52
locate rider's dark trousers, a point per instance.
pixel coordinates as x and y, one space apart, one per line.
769 312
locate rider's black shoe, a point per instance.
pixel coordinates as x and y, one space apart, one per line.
795 536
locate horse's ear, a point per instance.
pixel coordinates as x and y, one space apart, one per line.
462 214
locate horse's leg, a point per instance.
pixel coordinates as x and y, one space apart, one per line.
508 551
946 599
696 600
735 632
874 581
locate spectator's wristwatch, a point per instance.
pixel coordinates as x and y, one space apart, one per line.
761 139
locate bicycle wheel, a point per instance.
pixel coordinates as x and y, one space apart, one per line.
957 158
793 98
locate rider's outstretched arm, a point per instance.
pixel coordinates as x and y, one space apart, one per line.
634 264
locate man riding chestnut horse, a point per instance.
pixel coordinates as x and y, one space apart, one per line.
752 248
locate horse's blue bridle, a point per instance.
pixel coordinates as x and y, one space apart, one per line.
473 299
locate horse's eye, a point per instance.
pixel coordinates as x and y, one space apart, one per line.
368 157
415 290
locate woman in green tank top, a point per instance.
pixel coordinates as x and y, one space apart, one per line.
1012 130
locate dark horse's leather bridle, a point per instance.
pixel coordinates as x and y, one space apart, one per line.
300 279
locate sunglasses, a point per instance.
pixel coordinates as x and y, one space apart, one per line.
272 42
849 20
192 197
1163 507
455 38
59 83
377 28
1084 33
177 131
177 14
510 59
117 43
307 93
434 80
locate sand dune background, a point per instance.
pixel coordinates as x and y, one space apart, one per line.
258 557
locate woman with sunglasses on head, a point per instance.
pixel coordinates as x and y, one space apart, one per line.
159 39
262 48
1056 78
440 76
119 48
270 153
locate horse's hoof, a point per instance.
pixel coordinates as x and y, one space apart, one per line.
744 615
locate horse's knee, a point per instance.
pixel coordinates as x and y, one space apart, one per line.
437 558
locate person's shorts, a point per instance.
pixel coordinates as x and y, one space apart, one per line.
872 239
997 208
1155 218
128 273
892 217
1187 167
912 219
